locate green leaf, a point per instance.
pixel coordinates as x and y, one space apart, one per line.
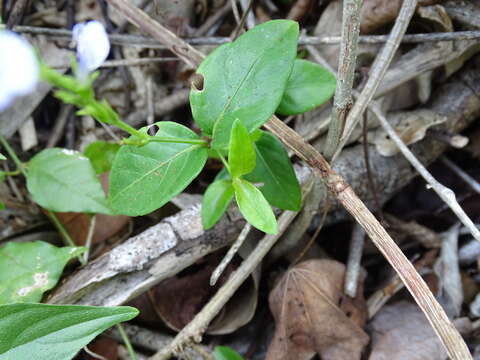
64 180
274 170
215 202
29 269
241 154
2 157
225 353
245 80
54 332
101 155
145 178
254 207
2 205
309 86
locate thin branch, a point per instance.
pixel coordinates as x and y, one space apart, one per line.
446 194
342 102
378 70
148 42
231 252
450 337
195 329
462 174
354 260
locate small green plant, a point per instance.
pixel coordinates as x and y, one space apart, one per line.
242 84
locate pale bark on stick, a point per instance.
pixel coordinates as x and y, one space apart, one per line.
347 60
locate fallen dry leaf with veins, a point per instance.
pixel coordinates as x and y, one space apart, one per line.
309 319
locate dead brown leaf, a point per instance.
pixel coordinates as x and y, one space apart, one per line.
401 331
310 319
377 13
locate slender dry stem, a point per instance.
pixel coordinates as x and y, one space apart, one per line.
446 194
347 60
354 260
378 70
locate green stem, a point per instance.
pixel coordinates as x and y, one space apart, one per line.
224 161
13 155
12 173
126 341
66 236
132 131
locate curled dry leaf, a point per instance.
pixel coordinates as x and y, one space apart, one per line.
401 331
376 13
410 126
310 314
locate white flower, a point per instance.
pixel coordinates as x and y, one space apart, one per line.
19 70
93 46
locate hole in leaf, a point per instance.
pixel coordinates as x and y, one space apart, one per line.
197 82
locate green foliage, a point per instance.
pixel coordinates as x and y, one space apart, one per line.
254 207
101 155
64 180
225 353
145 178
3 175
274 170
2 205
53 332
29 269
241 154
2 157
215 202
309 86
245 80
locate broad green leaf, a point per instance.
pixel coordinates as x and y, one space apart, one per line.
241 154
64 180
274 170
101 155
254 207
29 269
225 353
54 332
245 80
144 178
2 157
309 86
216 199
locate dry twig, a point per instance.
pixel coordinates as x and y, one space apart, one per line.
377 71
347 60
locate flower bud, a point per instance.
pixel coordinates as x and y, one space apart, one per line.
93 46
19 69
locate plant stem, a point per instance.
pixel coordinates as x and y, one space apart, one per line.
13 155
66 236
224 161
127 342
342 101
88 241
